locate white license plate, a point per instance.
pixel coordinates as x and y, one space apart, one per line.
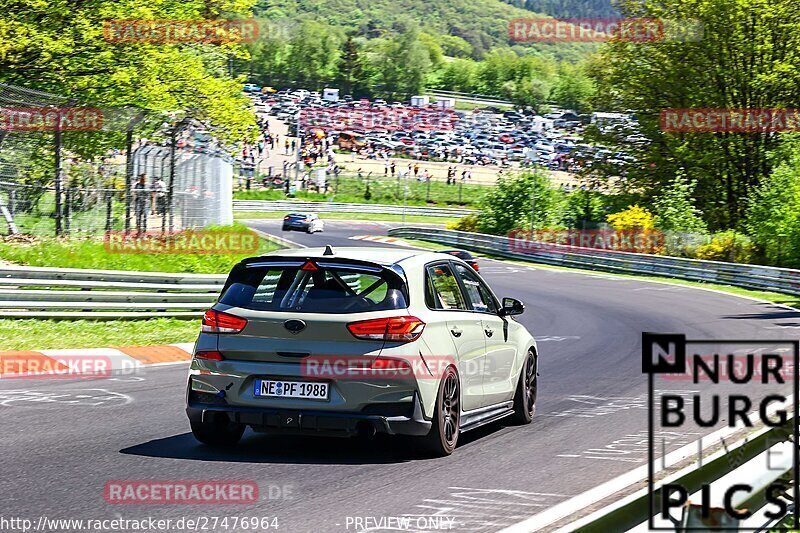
278 388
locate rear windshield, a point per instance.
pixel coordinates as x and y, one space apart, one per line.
331 289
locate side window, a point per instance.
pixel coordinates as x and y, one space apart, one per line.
443 291
477 293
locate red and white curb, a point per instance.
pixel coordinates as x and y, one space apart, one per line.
98 362
380 238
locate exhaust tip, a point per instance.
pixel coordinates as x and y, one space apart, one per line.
365 430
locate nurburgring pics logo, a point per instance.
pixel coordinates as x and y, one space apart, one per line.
181 242
175 31
732 120
740 385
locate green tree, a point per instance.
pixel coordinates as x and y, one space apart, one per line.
748 56
773 216
401 65
508 204
60 47
573 89
675 209
351 70
314 53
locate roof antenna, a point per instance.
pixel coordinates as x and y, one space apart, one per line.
328 250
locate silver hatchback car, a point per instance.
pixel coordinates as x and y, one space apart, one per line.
359 341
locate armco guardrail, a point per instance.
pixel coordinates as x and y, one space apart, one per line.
334 207
40 292
782 280
743 462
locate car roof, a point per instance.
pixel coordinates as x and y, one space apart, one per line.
375 254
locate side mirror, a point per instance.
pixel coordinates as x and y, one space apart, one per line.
512 306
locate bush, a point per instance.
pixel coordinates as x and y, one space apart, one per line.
634 217
507 205
467 223
727 246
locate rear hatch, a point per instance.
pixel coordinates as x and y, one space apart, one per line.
298 307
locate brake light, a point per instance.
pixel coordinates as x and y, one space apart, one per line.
219 322
475 266
309 267
393 329
211 355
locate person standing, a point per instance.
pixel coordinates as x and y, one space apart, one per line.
140 203
286 147
160 193
392 168
416 169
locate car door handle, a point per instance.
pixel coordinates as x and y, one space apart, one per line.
489 332
456 332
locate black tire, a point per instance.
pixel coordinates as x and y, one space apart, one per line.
525 395
217 431
443 436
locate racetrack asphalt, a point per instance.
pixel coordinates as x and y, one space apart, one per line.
63 440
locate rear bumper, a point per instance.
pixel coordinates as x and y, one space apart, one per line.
311 422
297 227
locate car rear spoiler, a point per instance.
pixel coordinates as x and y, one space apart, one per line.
322 261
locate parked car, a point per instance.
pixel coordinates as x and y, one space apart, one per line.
308 222
359 341
251 87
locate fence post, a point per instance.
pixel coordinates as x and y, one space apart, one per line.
57 154
67 205
171 186
109 200
128 176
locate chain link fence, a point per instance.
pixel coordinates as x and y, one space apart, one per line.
47 187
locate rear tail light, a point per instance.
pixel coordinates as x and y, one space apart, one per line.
475 266
393 329
219 322
211 355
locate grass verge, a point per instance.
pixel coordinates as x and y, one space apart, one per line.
92 252
383 190
36 334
